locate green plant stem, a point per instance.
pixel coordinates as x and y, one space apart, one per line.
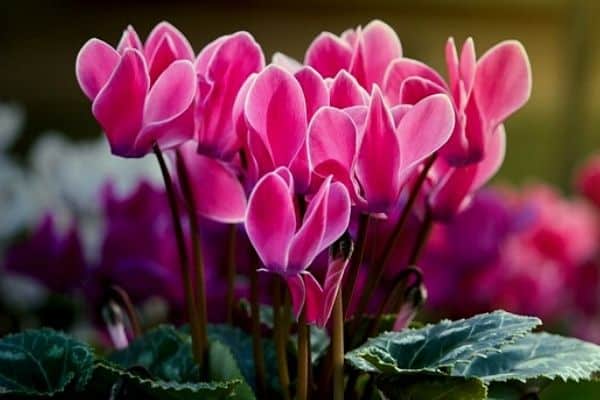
354 268
125 301
337 346
280 344
230 265
198 345
257 346
303 358
379 267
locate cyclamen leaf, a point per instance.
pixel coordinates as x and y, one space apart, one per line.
43 362
440 347
167 355
428 387
537 356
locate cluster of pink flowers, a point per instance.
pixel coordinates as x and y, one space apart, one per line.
295 151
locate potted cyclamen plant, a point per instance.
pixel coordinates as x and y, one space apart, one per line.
302 161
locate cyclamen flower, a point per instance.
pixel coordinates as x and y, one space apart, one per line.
141 95
272 113
222 67
288 246
364 53
373 150
484 92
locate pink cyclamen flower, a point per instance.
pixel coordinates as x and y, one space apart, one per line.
453 187
141 95
484 92
374 149
288 246
222 67
216 188
587 180
272 113
364 53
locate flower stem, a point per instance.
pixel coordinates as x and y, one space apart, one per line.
337 346
197 258
280 343
361 241
198 344
257 346
421 237
230 272
379 267
303 358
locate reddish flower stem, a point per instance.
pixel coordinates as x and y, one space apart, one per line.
280 339
303 358
257 346
230 265
125 301
198 344
354 268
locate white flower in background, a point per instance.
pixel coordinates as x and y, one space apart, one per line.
12 117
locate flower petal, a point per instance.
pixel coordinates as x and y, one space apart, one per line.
424 129
297 292
332 136
218 192
314 89
502 82
333 281
271 221
403 68
338 214
286 62
313 299
306 244
328 54
494 157
119 106
168 115
346 92
129 40
415 89
95 63
182 47
378 162
275 109
378 45
468 66
164 56
233 61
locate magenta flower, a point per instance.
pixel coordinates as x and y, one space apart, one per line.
288 246
222 67
141 95
484 92
453 187
273 110
364 53
216 187
375 149
587 180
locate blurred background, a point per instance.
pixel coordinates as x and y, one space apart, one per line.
39 41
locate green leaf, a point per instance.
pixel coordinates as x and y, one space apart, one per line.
440 347
166 354
430 387
43 362
240 344
537 356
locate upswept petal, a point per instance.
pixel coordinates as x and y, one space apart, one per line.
95 64
313 298
425 128
181 46
129 40
332 136
314 89
378 162
119 106
328 54
331 287
403 68
232 62
168 115
415 89
338 214
297 292
271 221
275 109
345 91
494 157
378 45
452 64
467 66
286 62
164 56
502 81
218 192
